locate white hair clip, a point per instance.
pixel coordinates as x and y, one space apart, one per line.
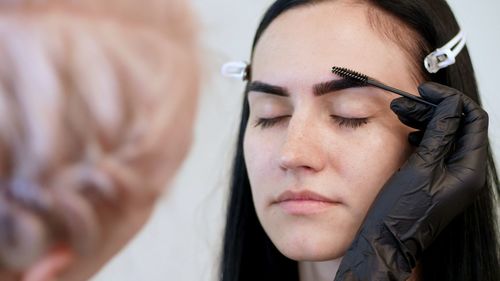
445 56
235 69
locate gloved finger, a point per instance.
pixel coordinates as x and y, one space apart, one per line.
468 162
412 113
440 132
414 138
435 92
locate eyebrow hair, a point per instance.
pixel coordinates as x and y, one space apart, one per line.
318 89
336 85
257 86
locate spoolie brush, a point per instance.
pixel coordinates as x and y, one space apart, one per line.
366 80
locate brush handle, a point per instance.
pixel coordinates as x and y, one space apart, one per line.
397 91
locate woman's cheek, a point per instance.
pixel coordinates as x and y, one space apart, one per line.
258 152
374 156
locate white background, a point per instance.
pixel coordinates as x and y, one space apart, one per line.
182 240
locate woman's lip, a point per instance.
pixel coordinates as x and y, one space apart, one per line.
304 195
304 202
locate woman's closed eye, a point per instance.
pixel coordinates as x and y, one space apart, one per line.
270 122
342 122
349 122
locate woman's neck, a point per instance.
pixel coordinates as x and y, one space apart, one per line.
318 271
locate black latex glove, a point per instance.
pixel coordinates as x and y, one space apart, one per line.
438 181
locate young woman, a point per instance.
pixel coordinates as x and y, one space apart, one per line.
333 179
97 102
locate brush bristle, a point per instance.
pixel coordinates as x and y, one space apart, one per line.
347 73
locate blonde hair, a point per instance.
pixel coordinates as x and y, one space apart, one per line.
89 93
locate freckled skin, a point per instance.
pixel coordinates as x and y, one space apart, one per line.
308 150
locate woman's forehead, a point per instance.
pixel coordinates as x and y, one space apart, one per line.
307 41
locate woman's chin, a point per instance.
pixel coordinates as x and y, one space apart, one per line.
313 257
311 251
318 238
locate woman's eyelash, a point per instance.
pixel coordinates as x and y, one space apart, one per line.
341 121
349 122
269 122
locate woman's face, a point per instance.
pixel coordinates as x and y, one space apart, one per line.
317 150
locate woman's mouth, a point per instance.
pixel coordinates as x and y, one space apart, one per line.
304 202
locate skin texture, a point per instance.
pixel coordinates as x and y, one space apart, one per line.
309 150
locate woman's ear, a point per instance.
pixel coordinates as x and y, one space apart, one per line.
49 266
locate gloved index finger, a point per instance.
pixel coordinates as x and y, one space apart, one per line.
411 113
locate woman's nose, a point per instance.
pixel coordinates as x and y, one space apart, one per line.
301 149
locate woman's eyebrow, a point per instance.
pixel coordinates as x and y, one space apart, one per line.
336 85
257 86
319 89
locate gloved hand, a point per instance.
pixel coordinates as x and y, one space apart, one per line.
438 181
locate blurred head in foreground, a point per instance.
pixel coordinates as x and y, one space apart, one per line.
97 101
